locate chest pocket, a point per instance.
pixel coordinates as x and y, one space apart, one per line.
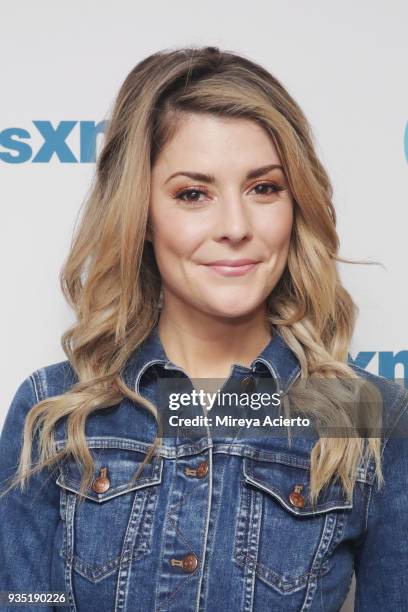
278 533
113 523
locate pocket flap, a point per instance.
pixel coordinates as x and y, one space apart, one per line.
280 479
118 467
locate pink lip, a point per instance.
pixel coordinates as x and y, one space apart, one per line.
232 262
233 268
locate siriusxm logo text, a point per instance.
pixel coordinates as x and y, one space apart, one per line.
19 151
16 146
390 365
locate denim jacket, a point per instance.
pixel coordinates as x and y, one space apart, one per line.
209 525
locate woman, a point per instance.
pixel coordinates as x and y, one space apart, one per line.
207 250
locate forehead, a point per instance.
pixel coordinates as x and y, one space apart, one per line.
204 139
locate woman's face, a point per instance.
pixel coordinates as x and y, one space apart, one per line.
217 194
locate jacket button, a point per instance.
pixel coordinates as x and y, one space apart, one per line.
102 483
296 498
248 384
202 469
199 472
189 563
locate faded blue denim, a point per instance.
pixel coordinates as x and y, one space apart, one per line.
255 551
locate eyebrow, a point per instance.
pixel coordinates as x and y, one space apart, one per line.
209 178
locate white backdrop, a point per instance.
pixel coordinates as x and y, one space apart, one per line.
344 62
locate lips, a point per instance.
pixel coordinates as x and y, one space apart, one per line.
232 263
237 267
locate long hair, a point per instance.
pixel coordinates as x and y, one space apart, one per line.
111 279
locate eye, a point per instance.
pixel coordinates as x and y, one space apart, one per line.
267 188
190 195
193 194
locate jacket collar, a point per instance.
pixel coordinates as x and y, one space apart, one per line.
277 359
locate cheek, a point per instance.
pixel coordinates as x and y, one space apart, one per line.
176 237
275 228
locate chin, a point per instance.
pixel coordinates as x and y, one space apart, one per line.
237 309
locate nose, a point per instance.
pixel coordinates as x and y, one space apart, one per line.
233 220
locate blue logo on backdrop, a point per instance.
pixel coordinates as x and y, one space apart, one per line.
54 141
19 151
388 362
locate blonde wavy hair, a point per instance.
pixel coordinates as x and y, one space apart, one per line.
111 279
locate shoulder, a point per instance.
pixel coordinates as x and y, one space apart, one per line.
47 381
395 404
53 379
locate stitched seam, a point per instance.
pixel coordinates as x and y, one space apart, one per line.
403 396
33 383
400 398
367 511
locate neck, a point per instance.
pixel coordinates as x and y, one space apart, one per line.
206 346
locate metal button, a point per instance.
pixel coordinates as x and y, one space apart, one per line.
202 469
187 563
248 384
102 482
295 498
199 472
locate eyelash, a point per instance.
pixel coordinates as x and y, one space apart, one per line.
179 194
